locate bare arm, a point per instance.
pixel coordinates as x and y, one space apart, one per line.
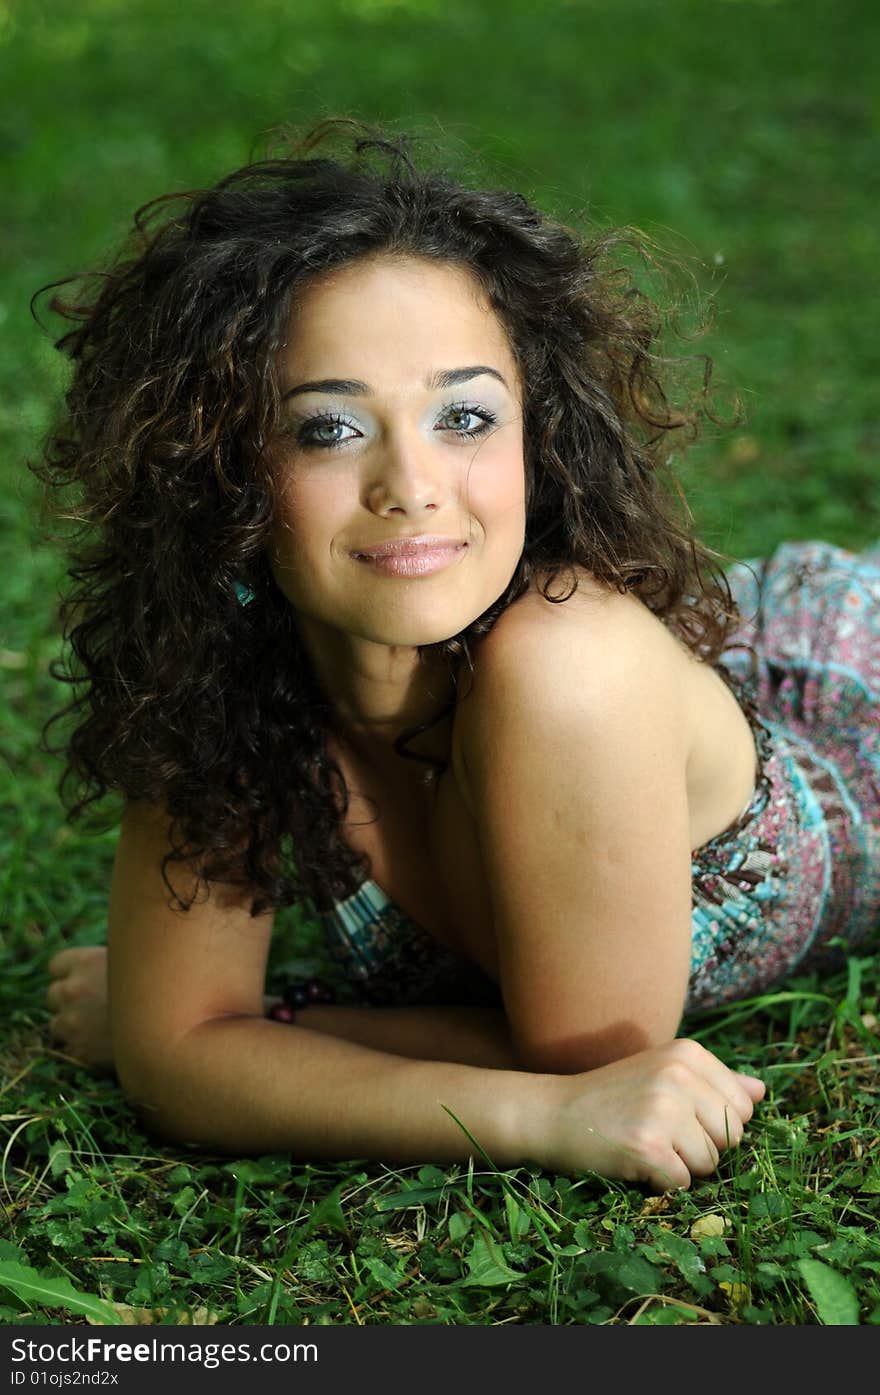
250 1085
194 1051
202 1065
244 1084
574 745
469 1036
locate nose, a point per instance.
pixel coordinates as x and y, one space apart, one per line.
407 477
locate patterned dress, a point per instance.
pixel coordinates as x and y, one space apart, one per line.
797 876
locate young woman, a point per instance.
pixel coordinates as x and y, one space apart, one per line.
381 605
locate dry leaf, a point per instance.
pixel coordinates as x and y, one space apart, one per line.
148 1317
654 1204
708 1225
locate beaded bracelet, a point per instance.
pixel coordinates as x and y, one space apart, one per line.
299 994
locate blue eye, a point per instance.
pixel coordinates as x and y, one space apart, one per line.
462 414
325 432
329 430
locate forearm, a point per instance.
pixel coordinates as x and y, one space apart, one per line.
246 1085
470 1036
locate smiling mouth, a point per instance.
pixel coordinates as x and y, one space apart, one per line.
408 558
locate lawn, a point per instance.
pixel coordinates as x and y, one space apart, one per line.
741 134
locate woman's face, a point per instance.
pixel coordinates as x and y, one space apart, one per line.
402 426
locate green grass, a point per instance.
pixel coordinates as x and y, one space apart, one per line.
268 1240
743 132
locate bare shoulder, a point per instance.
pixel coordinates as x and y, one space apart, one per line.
597 651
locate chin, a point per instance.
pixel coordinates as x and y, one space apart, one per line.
417 636
417 630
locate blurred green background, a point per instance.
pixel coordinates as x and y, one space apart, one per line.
741 132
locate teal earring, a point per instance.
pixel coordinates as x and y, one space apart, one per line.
243 594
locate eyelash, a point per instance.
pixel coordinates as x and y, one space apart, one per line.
488 418
302 431
313 423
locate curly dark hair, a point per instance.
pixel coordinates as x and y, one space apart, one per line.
181 696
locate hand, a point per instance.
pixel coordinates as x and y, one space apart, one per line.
662 1116
77 996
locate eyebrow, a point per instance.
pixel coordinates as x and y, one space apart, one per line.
352 387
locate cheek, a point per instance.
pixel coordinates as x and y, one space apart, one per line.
305 515
496 490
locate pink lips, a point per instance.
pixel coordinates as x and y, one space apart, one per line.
411 556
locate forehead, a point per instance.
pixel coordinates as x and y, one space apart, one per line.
402 311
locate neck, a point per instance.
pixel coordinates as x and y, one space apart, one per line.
378 692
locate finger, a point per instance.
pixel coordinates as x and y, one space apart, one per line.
58 993
739 1107
755 1087
59 964
745 1091
657 1158
711 1088
697 1150
741 1091
705 1156
708 1111
669 1173
721 1121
